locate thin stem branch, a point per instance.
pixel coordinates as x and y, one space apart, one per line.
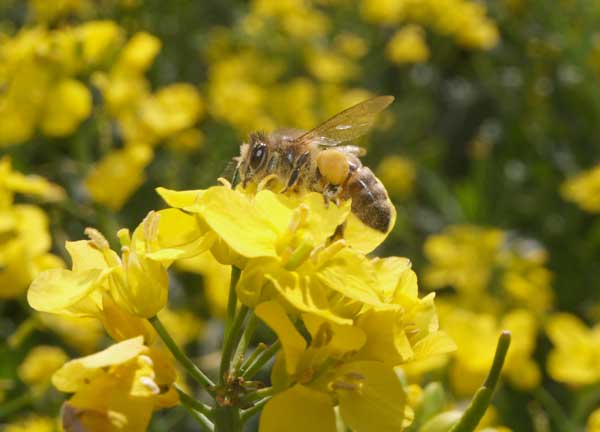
259 394
194 371
200 418
483 397
186 399
240 351
260 348
261 359
13 405
554 410
231 341
248 413
232 299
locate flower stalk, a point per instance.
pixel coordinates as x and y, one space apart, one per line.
483 397
194 371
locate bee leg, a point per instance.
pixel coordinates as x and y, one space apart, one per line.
295 175
332 192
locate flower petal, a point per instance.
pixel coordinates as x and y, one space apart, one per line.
66 292
378 405
75 373
298 409
292 342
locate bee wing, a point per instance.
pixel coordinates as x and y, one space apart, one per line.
348 124
353 150
230 172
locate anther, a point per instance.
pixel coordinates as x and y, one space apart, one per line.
97 239
342 385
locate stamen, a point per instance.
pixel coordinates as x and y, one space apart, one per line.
224 182
343 385
96 237
355 376
150 384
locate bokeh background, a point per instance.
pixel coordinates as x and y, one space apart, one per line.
489 153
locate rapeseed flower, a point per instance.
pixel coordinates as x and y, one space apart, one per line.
574 359
582 189
398 174
478 261
32 423
475 335
40 364
81 333
408 45
117 388
25 240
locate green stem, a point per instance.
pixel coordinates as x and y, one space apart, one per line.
231 341
554 410
248 413
183 360
483 397
200 418
260 348
188 400
261 360
227 419
232 299
259 394
240 352
16 404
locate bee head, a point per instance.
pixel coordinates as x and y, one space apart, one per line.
253 157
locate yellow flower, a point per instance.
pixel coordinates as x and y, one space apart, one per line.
71 104
32 423
593 423
382 11
24 252
330 66
172 109
463 257
475 335
476 261
583 188
526 280
39 365
44 11
398 175
113 179
12 181
99 39
81 333
138 54
187 140
574 359
408 46
353 359
370 394
118 290
117 388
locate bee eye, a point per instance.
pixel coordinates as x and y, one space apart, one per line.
259 154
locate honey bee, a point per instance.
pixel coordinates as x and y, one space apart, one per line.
316 161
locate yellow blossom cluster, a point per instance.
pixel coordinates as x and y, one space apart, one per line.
463 20
45 74
363 317
583 189
499 282
24 232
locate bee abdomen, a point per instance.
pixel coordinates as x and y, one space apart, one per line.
370 202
